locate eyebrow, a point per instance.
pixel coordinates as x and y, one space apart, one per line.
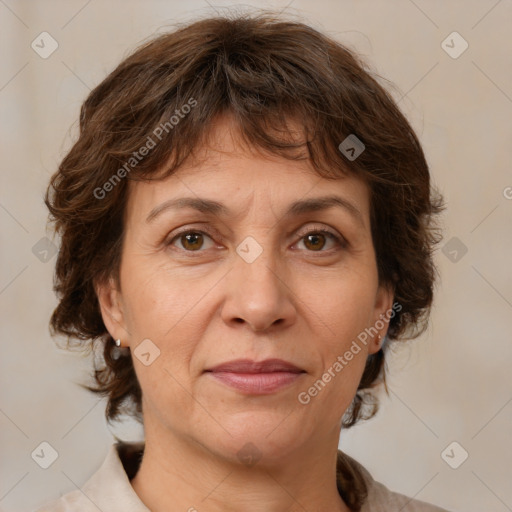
296 208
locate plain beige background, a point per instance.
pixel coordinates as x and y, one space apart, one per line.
452 384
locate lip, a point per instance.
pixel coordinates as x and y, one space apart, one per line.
256 378
249 366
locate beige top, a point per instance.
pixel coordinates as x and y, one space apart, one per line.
109 489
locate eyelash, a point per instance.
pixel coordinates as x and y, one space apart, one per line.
340 241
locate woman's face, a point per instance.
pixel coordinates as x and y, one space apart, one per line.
251 279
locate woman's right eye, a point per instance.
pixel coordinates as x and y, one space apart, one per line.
190 240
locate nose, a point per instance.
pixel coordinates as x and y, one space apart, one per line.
259 294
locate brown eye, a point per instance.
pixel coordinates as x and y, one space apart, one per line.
315 241
190 241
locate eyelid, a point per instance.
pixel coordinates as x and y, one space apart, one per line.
319 228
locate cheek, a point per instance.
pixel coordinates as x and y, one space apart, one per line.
158 301
342 308
170 311
164 310
344 304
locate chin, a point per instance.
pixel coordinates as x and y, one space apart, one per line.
262 437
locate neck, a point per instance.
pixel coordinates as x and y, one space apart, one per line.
178 475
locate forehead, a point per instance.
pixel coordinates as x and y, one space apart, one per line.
226 169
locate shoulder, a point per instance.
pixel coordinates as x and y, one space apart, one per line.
381 499
108 488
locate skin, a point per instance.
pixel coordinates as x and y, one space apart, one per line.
302 299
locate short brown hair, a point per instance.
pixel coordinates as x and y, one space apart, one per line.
263 70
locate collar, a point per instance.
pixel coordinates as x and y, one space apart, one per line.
109 488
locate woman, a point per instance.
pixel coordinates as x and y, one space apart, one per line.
246 222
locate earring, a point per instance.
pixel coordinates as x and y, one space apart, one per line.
118 343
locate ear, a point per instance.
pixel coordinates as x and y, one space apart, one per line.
112 311
383 312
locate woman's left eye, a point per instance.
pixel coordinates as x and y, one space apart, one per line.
314 240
